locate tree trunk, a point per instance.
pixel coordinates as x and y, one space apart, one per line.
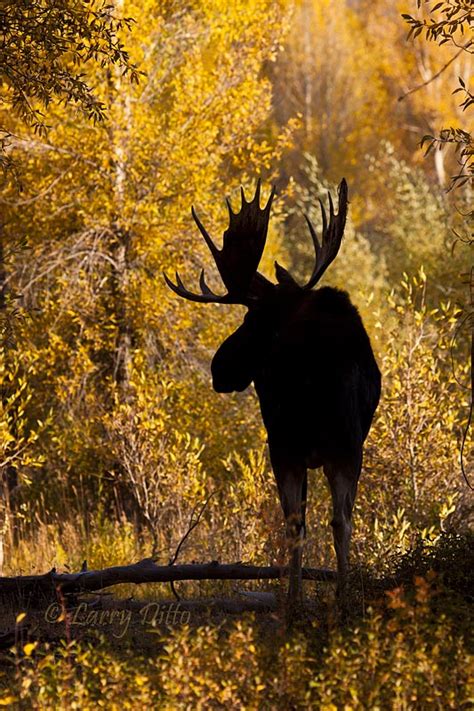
121 239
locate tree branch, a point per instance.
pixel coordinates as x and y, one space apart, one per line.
435 76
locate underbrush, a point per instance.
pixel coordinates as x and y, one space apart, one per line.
408 647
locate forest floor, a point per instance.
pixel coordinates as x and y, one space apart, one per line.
133 615
424 606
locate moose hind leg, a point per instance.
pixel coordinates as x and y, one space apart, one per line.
291 480
343 481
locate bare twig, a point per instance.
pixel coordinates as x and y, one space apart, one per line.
469 419
435 76
192 526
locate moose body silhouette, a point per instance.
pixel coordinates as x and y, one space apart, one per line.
310 359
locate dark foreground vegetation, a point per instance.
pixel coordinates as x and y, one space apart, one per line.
405 644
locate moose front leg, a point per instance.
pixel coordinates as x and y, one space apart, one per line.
291 480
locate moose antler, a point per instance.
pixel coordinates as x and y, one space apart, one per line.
331 234
238 260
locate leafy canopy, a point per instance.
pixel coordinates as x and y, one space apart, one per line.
45 44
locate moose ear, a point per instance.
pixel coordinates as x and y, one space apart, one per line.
284 277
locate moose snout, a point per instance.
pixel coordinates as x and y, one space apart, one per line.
222 385
231 366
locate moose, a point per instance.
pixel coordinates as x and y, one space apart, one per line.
311 362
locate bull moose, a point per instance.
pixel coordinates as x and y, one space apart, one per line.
310 359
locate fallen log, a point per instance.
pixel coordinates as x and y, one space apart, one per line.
243 602
146 571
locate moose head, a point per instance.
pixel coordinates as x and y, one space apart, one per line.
236 362
309 357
